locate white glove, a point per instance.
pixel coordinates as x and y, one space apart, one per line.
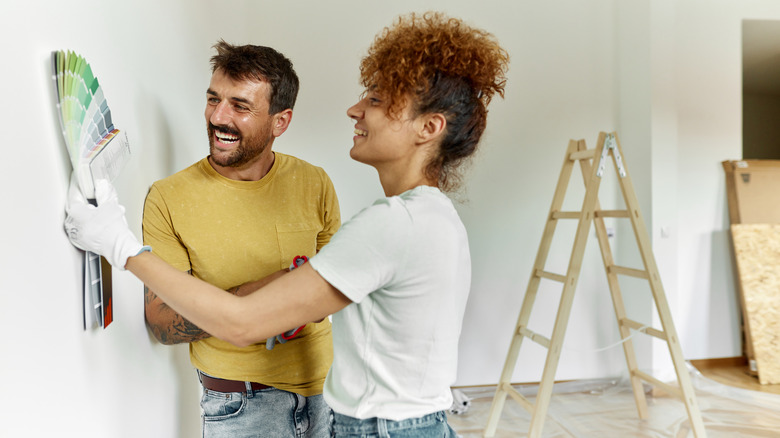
102 229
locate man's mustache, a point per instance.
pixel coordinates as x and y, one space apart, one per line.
223 128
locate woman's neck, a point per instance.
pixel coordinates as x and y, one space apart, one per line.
408 171
394 185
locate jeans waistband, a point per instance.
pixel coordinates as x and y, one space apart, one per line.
224 385
351 425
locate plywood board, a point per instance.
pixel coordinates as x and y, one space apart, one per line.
757 251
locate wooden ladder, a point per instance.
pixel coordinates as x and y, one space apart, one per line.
607 145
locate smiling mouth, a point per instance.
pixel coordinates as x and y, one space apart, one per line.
360 132
225 137
224 134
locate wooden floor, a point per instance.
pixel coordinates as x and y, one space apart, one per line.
732 372
608 410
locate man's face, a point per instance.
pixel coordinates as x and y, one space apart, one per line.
237 120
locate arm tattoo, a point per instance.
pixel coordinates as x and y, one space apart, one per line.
176 329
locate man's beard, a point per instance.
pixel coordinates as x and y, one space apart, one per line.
249 148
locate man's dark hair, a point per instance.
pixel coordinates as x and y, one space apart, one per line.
260 63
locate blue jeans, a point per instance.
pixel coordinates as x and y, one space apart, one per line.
428 426
264 413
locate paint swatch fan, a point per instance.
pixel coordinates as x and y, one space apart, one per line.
97 150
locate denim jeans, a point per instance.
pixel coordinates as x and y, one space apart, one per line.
428 426
264 413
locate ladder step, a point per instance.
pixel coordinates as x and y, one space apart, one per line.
630 323
671 389
520 398
566 215
596 213
615 269
612 213
551 276
536 337
587 154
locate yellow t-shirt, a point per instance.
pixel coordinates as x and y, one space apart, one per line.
230 232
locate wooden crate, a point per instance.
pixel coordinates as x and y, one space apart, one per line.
753 191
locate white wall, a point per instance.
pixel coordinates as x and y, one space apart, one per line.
709 109
665 74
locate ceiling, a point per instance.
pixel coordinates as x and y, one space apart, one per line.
761 57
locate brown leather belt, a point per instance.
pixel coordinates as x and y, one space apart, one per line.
222 385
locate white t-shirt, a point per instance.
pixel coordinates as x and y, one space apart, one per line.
405 264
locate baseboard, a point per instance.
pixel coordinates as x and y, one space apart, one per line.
721 362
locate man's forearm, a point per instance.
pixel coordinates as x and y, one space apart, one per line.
252 286
167 325
170 328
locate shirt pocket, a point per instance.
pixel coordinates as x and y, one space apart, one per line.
295 240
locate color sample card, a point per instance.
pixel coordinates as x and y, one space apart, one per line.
85 117
96 150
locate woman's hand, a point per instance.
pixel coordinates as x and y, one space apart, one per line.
100 228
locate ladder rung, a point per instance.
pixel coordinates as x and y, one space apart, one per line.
536 337
520 398
550 276
582 155
629 271
566 214
641 327
612 213
596 213
671 389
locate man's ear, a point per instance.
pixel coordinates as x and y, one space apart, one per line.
281 122
431 127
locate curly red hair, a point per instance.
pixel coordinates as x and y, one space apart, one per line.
444 66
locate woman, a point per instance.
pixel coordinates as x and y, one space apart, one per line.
396 276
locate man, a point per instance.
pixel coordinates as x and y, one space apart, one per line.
242 214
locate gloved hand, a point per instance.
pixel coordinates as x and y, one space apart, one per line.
101 229
282 338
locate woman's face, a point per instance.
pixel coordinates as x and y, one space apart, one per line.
379 139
